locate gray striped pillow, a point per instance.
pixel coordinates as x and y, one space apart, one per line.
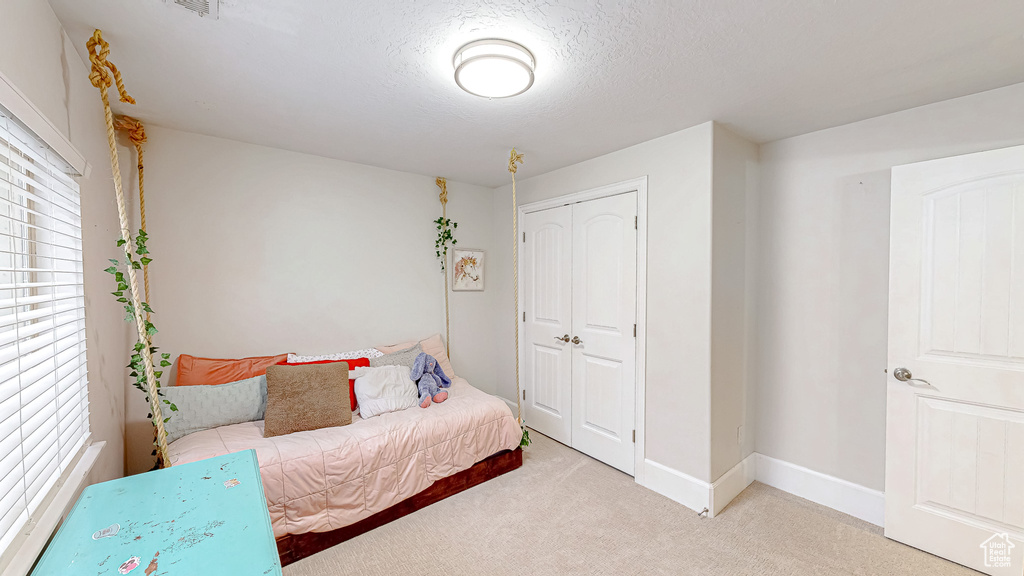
405 357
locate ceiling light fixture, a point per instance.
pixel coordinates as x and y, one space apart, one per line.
494 68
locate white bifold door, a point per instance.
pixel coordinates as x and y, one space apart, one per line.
954 478
579 316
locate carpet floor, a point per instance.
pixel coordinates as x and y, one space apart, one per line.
566 513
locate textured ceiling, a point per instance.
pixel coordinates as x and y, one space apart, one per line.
371 82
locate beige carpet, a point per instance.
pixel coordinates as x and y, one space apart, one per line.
565 513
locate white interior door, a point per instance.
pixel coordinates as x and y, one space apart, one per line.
954 481
603 329
547 308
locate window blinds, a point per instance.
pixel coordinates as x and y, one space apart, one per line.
44 414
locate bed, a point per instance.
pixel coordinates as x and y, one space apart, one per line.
328 485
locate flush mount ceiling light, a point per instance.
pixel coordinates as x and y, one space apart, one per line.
494 68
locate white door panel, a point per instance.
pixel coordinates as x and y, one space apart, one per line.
955 446
603 319
547 299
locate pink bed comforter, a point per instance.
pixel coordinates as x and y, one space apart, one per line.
325 479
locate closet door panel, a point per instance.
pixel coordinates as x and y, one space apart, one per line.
603 319
547 306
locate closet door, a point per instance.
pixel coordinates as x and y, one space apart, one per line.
547 306
603 323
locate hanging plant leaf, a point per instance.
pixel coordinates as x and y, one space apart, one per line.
445 226
137 365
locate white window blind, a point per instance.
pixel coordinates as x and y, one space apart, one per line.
44 405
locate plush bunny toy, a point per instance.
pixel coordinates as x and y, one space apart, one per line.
430 380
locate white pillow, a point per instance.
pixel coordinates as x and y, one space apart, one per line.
384 389
364 353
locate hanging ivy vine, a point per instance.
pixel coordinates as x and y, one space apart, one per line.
445 237
137 366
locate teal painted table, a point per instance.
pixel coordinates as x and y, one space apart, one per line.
207 517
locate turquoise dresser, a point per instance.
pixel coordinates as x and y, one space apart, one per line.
207 517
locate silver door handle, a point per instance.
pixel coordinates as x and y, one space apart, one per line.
904 375
563 338
576 340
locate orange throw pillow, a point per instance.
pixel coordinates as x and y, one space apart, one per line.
194 371
353 363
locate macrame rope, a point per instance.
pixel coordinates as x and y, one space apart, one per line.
137 135
443 197
513 159
102 75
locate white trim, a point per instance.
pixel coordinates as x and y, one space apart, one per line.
27 113
853 499
671 483
846 497
699 495
638 185
731 484
639 470
511 404
20 556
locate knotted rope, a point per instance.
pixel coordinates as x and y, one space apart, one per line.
442 183
515 158
137 135
443 197
102 75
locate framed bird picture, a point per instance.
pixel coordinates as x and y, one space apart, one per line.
467 269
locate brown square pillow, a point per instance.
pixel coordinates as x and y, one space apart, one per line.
306 397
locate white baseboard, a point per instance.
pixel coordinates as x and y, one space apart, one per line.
732 483
844 496
673 484
699 495
511 404
836 493
853 499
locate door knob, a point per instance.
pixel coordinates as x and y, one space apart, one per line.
904 375
563 338
576 340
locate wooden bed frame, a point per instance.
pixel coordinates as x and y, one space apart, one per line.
293 547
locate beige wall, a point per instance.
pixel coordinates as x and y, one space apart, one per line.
733 248
40 60
262 251
678 167
823 275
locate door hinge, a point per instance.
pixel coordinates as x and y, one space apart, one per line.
524 394
524 315
634 436
524 237
636 222
634 330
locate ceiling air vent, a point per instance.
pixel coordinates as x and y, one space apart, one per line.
201 7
